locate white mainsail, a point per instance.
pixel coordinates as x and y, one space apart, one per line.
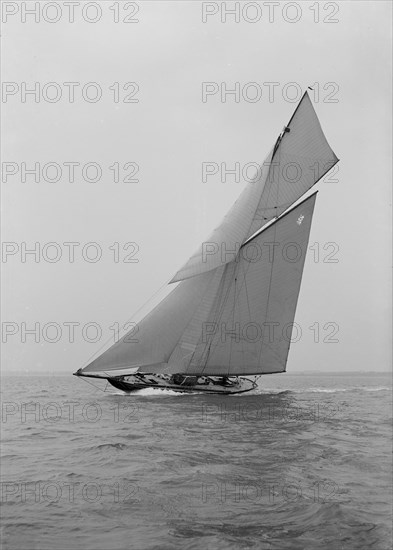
300 157
249 328
235 317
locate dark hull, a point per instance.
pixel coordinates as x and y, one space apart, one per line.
130 384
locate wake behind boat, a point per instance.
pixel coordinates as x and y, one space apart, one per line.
232 308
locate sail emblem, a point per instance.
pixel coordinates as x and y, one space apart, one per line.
300 219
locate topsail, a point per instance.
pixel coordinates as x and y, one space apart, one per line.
299 158
233 314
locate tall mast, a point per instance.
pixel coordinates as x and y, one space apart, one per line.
183 333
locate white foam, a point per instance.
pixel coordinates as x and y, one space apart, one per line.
157 392
160 392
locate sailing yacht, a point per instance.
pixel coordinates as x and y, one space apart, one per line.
230 315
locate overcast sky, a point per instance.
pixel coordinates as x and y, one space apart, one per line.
343 51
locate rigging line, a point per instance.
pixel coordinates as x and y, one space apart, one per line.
286 127
236 300
248 305
219 305
278 183
278 152
220 311
222 304
213 301
95 355
277 149
233 324
268 296
205 353
215 308
269 181
205 299
246 290
91 383
241 340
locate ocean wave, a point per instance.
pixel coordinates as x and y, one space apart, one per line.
336 390
119 446
324 390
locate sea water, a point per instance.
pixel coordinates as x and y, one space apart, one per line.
302 462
